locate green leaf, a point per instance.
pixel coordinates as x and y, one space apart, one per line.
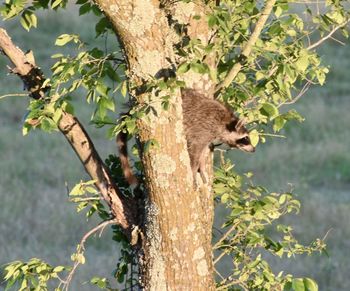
183 68
102 26
310 284
55 3
199 68
100 282
24 23
254 137
212 21
269 110
240 78
64 39
278 11
298 284
293 114
85 8
26 128
302 63
259 75
279 122
59 269
224 198
48 125
108 103
124 88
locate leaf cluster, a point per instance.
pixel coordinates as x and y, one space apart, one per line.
251 233
33 275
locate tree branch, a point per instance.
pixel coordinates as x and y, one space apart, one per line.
249 45
25 68
81 249
13 95
329 35
76 135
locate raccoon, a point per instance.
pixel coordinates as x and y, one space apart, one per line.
206 123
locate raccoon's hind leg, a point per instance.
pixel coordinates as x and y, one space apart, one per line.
202 164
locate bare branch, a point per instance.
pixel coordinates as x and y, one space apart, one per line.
76 135
13 95
301 93
233 227
81 249
329 35
338 41
249 45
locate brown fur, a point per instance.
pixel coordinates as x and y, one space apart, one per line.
205 121
122 139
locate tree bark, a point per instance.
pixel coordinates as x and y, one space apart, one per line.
176 248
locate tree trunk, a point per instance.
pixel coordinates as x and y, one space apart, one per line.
176 241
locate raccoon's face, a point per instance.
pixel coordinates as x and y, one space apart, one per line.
237 136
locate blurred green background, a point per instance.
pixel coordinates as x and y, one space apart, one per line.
36 219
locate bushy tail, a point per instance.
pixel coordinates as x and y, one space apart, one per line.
121 140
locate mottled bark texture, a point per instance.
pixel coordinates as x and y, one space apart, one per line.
176 247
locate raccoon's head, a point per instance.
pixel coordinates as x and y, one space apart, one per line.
237 136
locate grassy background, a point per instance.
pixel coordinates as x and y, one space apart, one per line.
36 219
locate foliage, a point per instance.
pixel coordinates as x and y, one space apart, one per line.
250 234
38 275
33 275
283 60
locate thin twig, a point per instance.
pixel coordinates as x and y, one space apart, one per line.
272 135
338 41
77 199
249 45
316 44
301 93
14 95
218 273
307 2
227 246
233 227
233 282
219 258
327 233
81 249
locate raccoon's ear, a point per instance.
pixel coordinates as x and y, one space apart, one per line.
231 126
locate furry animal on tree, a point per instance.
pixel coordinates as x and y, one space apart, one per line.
206 121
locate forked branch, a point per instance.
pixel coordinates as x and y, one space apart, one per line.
80 252
71 128
329 35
